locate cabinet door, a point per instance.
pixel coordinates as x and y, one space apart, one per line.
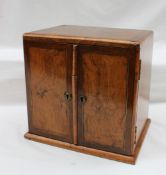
104 112
48 78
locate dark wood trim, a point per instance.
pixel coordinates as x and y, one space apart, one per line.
131 98
95 152
135 98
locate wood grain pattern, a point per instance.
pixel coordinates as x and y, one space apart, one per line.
86 89
49 78
83 33
103 79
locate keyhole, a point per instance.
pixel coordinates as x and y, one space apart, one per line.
82 99
67 96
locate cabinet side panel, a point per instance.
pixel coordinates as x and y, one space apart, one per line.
144 83
26 66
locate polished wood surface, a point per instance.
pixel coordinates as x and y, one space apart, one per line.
97 33
74 95
103 79
49 72
88 89
144 83
103 154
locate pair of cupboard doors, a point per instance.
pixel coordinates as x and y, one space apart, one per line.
81 94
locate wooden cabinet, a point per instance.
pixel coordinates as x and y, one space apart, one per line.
85 89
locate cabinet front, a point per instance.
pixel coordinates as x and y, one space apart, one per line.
103 74
48 75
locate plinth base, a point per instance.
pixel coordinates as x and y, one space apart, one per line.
95 152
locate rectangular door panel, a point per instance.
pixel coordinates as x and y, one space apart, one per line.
103 75
48 80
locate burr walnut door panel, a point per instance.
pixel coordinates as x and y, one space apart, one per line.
103 98
48 70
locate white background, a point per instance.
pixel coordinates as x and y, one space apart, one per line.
19 156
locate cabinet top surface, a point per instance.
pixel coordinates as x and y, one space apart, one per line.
92 33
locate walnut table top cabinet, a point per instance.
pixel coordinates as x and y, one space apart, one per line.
88 89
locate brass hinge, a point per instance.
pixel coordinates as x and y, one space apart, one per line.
139 73
135 139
